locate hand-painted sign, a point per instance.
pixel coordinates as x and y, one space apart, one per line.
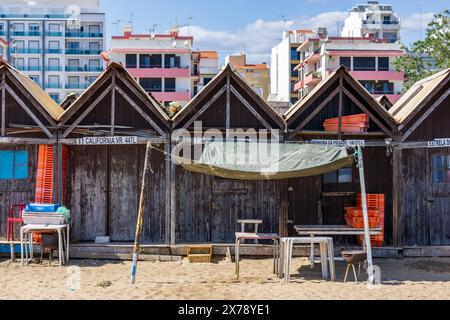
92 141
439 143
340 143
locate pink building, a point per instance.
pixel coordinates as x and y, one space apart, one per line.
164 64
369 60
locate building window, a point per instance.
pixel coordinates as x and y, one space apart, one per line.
341 176
144 61
383 64
363 64
294 73
53 82
54 27
35 79
131 61
295 55
206 81
346 61
151 84
33 64
172 61
379 87
13 165
441 169
170 85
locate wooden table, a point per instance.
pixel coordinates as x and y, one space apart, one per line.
26 237
333 230
326 254
241 236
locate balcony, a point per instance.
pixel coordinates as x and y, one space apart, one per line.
77 86
160 72
54 51
54 34
313 78
172 96
29 68
54 68
378 75
53 85
83 69
83 52
26 33
313 58
381 22
25 51
299 85
80 34
3 33
33 16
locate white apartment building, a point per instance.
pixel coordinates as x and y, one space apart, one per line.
373 20
284 59
164 64
57 43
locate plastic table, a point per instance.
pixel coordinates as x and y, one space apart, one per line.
26 238
241 236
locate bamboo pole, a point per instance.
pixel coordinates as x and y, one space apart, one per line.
370 269
140 219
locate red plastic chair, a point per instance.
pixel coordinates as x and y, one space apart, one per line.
13 220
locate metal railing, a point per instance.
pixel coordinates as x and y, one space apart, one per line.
53 85
83 52
83 34
384 22
26 33
33 16
83 69
25 51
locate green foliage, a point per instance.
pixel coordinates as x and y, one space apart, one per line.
436 46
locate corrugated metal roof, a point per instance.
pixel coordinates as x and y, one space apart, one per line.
49 105
413 100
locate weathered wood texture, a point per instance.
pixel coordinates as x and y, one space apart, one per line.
424 205
17 191
208 207
105 181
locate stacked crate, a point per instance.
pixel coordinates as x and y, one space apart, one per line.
45 174
350 124
376 212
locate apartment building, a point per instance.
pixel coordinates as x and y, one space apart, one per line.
369 60
164 64
284 59
205 68
373 20
56 43
257 75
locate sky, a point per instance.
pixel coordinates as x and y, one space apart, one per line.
253 26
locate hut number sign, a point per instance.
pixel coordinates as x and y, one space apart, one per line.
94 141
439 143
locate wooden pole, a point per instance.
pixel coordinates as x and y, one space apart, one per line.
370 269
140 219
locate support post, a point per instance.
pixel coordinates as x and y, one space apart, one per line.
113 106
140 219
341 106
3 108
167 195
173 203
397 192
228 112
370 269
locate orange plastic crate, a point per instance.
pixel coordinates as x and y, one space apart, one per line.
346 128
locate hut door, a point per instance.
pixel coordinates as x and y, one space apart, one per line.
123 192
228 206
439 197
88 172
338 192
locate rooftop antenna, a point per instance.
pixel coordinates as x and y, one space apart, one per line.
284 22
116 23
189 25
131 20
153 28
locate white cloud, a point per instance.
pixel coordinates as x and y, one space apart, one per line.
259 37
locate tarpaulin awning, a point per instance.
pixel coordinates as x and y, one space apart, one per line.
268 161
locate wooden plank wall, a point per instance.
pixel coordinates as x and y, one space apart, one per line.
105 182
17 191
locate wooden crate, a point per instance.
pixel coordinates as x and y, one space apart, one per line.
200 254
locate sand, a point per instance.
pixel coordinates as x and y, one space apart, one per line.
407 279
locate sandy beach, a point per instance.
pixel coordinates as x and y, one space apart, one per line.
407 279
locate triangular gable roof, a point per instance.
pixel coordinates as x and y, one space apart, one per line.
417 97
214 84
33 89
376 109
37 104
117 69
